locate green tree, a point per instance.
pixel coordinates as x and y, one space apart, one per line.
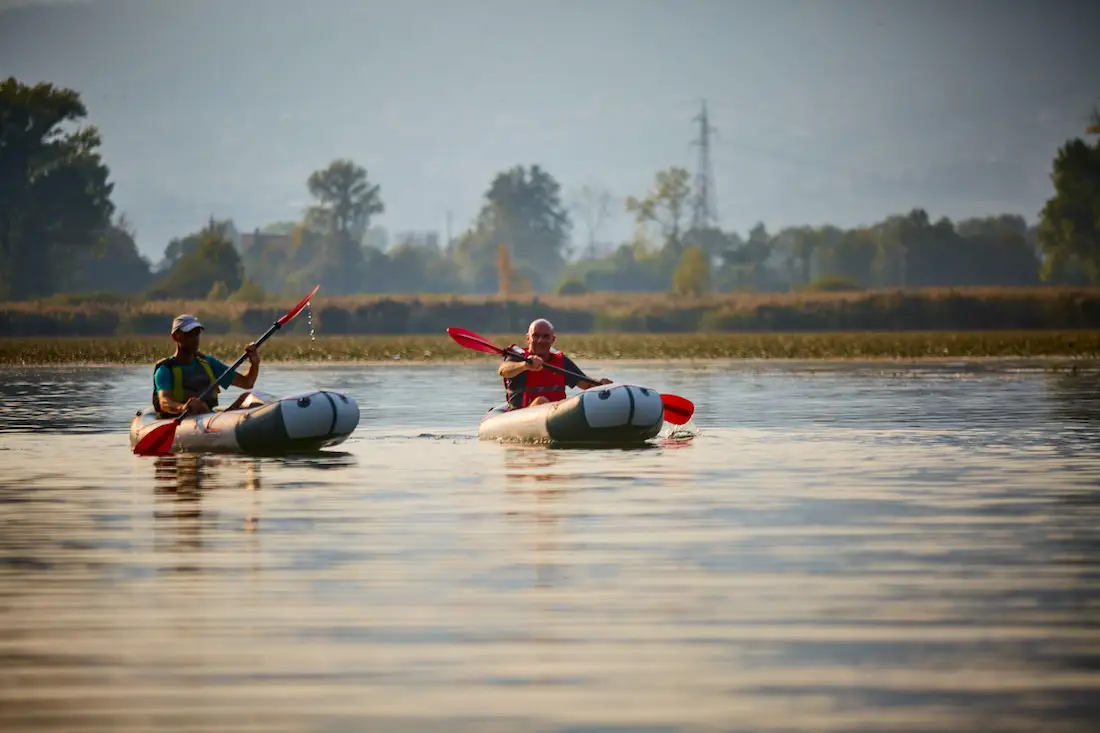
523 208
692 275
1069 226
249 292
218 291
179 247
744 263
194 275
112 264
804 244
666 206
1003 224
852 257
54 190
505 271
346 202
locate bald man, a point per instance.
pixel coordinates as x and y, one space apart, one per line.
527 383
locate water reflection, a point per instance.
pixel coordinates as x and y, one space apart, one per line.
837 551
536 495
181 486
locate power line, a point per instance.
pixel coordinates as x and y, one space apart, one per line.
705 207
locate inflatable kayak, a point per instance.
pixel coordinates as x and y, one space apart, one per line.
260 424
621 413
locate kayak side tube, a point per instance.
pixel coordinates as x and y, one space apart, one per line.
611 414
304 422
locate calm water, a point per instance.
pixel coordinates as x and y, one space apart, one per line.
849 549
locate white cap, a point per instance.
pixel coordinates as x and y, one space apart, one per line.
185 323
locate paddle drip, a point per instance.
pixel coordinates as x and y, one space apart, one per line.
158 441
309 316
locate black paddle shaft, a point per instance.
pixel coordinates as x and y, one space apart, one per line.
551 367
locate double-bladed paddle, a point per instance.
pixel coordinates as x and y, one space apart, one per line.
158 441
678 410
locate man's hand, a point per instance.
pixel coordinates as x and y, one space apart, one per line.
534 364
195 406
253 354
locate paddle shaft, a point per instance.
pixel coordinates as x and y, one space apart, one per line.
551 367
678 410
210 388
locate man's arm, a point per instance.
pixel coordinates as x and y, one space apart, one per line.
246 380
511 369
586 383
170 407
514 365
162 383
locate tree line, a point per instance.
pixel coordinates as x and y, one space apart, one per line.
60 233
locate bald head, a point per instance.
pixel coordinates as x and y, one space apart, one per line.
540 337
540 323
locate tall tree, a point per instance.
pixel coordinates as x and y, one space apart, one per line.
1069 228
179 247
992 225
346 199
692 274
852 256
112 264
54 192
592 207
522 209
346 202
666 205
213 260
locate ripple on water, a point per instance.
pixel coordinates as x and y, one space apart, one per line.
840 551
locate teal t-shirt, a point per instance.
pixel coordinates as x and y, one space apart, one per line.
162 377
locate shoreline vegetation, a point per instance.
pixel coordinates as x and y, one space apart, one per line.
1048 347
884 310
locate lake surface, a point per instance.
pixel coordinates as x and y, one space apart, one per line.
837 548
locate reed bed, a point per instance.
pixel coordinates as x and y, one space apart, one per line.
677 346
922 310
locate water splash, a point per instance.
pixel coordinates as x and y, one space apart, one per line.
309 317
687 431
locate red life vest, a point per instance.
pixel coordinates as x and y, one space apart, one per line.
545 382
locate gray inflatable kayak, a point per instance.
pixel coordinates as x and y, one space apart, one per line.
620 413
260 424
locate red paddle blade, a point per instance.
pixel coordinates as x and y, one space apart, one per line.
472 340
158 441
678 410
298 308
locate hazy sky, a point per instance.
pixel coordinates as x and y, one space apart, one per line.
828 111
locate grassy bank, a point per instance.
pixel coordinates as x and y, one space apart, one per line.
868 345
933 309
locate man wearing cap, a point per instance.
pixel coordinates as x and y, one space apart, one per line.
181 378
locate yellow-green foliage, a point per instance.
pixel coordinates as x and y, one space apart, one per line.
692 275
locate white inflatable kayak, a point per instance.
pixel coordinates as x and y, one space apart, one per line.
260 424
621 413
